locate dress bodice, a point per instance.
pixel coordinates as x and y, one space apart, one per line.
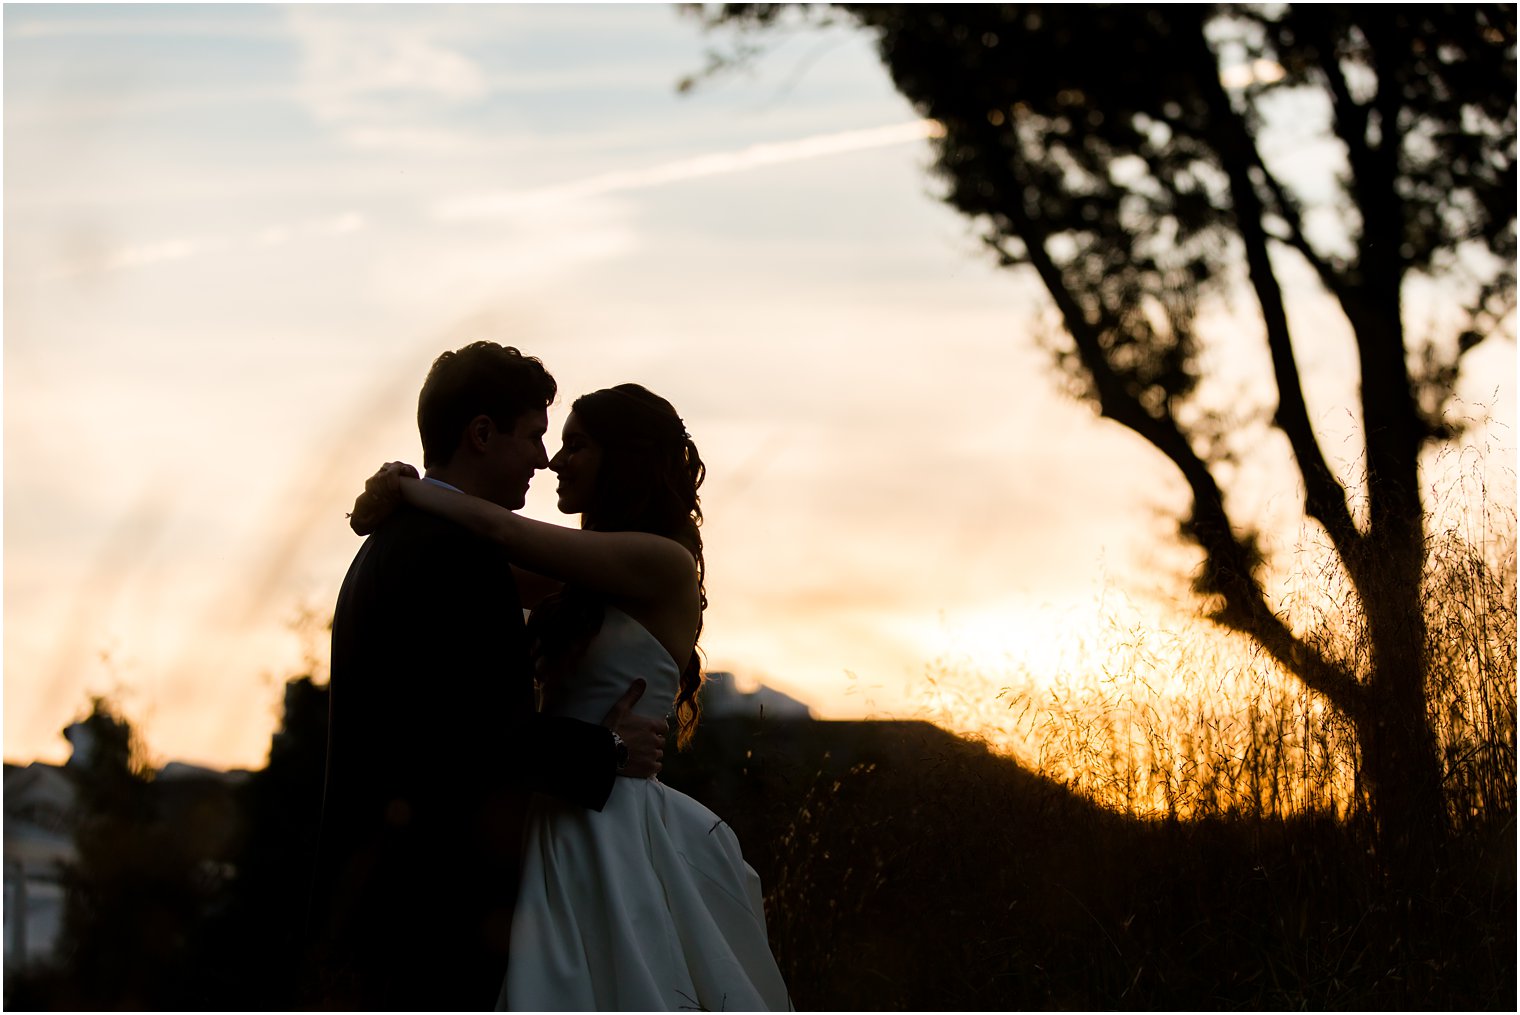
623 651
643 904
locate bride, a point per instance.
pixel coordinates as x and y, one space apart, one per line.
646 905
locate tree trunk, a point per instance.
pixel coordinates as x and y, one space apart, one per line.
1400 756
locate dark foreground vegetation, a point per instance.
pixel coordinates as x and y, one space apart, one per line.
904 869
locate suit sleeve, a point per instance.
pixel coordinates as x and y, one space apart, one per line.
566 758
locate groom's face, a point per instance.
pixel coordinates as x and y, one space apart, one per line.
515 454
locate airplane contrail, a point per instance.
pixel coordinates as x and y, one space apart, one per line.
506 203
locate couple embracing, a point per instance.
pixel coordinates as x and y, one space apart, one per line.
476 848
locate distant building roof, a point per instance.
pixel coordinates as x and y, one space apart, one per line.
177 770
721 697
39 807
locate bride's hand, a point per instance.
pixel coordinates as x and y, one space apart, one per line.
382 494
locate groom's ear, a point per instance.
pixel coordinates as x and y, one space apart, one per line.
479 432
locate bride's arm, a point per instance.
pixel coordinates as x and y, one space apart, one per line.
635 565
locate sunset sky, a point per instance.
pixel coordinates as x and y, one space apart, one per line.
236 237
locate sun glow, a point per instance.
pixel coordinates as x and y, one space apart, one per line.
1009 637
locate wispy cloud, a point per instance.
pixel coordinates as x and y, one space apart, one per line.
102 261
141 255
503 204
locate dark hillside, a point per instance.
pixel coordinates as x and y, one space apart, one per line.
908 869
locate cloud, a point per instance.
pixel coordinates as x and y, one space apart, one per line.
506 204
95 261
372 70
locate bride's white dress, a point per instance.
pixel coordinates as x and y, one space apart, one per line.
646 905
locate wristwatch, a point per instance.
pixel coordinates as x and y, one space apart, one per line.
621 750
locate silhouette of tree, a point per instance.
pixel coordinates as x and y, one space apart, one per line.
136 892
1117 153
251 953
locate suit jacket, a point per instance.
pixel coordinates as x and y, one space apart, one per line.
433 746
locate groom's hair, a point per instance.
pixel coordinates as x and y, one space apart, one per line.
482 379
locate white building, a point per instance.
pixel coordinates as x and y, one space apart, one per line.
39 807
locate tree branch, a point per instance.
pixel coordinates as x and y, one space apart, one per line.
1324 497
1229 561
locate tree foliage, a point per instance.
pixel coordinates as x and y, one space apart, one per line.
1119 153
136 890
252 946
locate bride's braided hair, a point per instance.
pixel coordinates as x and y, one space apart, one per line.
647 482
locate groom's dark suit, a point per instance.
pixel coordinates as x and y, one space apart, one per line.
433 746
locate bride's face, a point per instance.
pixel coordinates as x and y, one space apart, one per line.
576 464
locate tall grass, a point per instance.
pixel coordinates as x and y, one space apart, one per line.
1470 595
1160 721
1176 718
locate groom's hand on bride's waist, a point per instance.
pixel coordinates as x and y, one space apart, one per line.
640 741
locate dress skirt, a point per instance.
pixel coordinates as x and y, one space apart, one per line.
646 905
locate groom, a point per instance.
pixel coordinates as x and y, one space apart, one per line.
434 743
